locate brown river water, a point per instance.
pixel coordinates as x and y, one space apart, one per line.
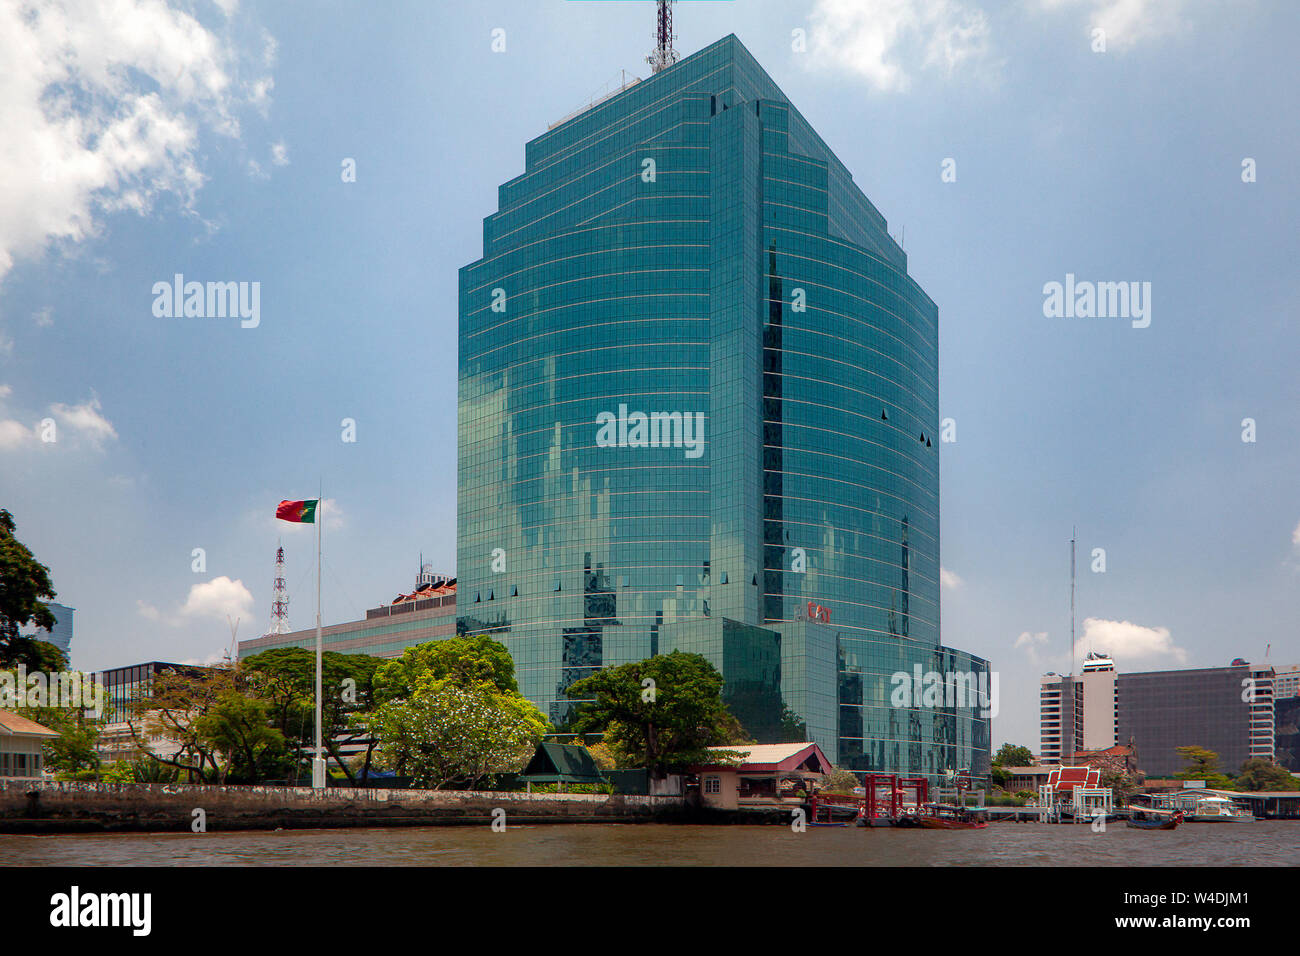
1265 843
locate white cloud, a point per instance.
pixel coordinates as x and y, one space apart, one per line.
6 391
1031 641
13 433
85 419
886 42
44 318
101 106
1032 644
949 580
1295 535
1126 22
280 154
1126 641
217 598
148 611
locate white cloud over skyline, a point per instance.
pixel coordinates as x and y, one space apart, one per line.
1127 22
217 598
888 42
102 106
1125 641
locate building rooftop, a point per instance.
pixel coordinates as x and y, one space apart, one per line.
773 757
427 591
11 725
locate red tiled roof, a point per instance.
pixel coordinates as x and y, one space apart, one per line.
1067 778
1119 750
427 591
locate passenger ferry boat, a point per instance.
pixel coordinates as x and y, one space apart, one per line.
1205 806
1219 810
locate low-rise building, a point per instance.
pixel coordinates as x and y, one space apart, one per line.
427 613
123 688
20 746
1026 778
766 775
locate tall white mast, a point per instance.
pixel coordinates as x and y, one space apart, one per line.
318 762
1073 535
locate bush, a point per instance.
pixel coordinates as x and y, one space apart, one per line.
603 787
839 781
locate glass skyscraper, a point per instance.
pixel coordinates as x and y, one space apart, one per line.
698 408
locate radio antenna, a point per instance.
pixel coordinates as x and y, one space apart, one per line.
664 55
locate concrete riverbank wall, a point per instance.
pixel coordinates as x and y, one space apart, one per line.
57 807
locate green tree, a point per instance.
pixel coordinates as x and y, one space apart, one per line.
471 661
285 679
76 747
24 587
840 781
1202 764
442 733
1012 755
665 725
173 706
1260 774
450 711
238 727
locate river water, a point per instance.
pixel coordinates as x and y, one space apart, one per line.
1265 843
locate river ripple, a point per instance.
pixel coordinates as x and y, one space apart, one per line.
1275 843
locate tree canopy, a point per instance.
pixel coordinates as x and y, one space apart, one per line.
285 678
1260 774
1202 764
664 712
450 712
471 661
24 587
1012 755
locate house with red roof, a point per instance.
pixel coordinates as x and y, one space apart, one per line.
764 775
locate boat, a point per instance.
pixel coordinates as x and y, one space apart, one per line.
935 816
1163 822
832 813
1219 810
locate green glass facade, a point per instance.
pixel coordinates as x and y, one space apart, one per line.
699 410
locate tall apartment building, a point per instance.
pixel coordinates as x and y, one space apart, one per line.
699 410
1060 717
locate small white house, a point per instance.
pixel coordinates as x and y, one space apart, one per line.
20 746
766 775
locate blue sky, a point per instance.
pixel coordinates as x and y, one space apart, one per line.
208 139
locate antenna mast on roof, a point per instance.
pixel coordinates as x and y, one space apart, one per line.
664 55
1073 535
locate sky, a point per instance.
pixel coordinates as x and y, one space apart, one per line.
1008 144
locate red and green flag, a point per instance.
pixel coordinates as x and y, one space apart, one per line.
298 511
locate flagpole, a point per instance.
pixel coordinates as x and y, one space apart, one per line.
318 763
